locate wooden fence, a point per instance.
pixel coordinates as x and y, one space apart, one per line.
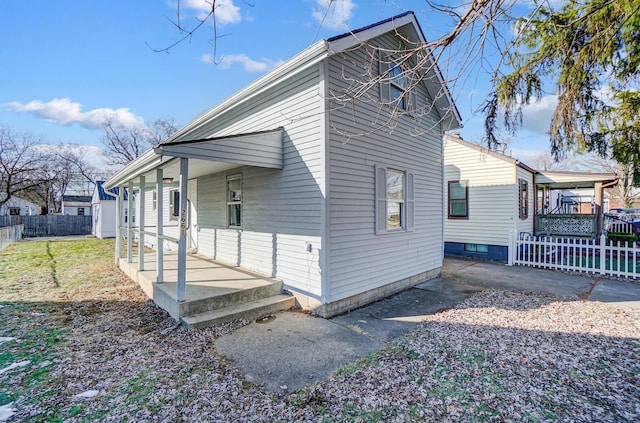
596 256
9 235
50 225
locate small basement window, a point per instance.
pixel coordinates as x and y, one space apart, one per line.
476 248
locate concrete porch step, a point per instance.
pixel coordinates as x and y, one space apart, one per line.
249 311
243 294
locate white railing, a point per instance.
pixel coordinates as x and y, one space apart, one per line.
10 234
596 256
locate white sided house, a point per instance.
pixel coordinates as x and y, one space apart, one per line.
17 206
325 174
487 195
103 209
76 205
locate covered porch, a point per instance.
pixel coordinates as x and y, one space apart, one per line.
157 207
571 203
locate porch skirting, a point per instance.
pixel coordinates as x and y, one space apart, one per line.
353 302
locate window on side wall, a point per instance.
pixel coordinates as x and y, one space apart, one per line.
394 202
234 201
458 199
154 200
174 204
395 84
80 211
523 198
14 211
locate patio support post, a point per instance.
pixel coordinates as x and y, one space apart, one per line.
159 227
141 225
130 222
119 198
182 239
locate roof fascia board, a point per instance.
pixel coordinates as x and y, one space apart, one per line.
409 27
142 164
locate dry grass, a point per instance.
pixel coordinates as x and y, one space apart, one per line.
498 356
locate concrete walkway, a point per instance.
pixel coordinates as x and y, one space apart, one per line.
292 349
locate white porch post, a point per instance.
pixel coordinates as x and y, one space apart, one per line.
159 227
141 225
119 198
182 239
130 222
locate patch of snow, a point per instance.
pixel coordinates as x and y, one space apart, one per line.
6 339
87 394
14 365
6 411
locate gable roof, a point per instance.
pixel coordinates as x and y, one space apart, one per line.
77 198
106 195
491 153
405 23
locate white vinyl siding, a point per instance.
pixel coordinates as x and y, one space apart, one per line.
492 195
360 260
281 208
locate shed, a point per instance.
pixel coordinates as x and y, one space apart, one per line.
76 205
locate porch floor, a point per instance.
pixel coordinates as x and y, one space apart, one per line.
208 281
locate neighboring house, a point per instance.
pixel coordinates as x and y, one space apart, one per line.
103 204
18 207
76 205
341 200
487 194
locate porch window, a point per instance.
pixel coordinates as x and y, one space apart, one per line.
154 200
458 195
394 200
523 198
234 201
174 204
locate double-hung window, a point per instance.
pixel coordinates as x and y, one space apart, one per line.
234 201
395 85
394 202
458 199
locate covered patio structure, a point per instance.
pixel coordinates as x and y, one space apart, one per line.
164 179
571 203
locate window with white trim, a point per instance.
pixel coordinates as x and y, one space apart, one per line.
80 211
14 211
234 201
395 83
154 200
394 200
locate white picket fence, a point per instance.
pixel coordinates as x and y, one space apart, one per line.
596 256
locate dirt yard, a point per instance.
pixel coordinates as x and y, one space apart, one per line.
80 342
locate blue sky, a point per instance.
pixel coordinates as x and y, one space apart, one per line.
68 65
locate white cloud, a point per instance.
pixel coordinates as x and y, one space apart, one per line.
64 111
226 12
249 64
536 117
334 14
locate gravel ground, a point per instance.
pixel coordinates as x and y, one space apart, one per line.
498 356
